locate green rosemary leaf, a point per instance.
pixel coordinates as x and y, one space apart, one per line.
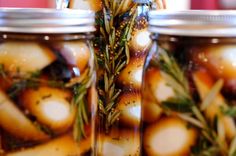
115 116
208 136
178 88
111 20
107 53
170 66
107 67
78 97
98 19
119 53
106 83
131 27
111 91
113 66
123 39
212 94
109 117
232 148
111 40
229 111
109 106
44 128
16 88
118 11
121 66
20 85
102 31
113 35
101 107
84 112
76 131
178 104
81 116
221 136
80 125
127 53
114 4
106 21
190 119
111 80
220 130
199 115
116 95
79 101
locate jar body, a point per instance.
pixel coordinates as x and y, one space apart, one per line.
188 96
47 94
119 84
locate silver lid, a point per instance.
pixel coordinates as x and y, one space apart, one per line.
193 23
46 21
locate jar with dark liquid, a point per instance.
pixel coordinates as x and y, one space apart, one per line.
47 82
118 132
189 89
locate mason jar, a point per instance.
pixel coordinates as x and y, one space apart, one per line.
47 82
119 80
189 84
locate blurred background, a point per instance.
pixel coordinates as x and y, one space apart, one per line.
171 4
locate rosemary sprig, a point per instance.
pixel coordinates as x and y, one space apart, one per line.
29 80
214 91
183 103
80 87
229 111
21 82
113 56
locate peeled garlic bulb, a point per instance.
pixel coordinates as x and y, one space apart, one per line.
130 109
61 146
51 107
25 56
16 123
169 137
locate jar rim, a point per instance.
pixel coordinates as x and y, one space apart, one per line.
54 21
194 23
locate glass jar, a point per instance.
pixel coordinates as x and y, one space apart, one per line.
47 82
119 79
188 94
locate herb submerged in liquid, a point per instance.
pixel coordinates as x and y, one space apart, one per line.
185 106
113 56
78 86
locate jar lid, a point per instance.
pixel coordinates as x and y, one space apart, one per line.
19 20
193 23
